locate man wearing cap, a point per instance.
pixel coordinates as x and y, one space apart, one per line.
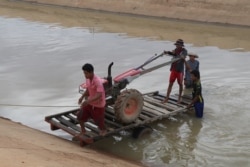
177 68
193 64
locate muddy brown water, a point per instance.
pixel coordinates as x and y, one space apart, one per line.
43 48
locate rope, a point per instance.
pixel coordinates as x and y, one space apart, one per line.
20 105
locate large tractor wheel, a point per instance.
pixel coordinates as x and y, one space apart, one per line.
128 105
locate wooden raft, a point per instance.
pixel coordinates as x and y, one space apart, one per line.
153 110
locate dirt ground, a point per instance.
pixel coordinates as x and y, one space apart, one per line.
24 146
215 11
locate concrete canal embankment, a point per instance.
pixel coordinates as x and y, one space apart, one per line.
215 11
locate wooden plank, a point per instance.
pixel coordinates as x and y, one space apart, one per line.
183 101
151 93
83 140
166 106
110 109
152 111
179 110
69 124
171 103
63 113
92 128
160 117
113 124
138 123
147 111
171 100
156 110
179 105
160 96
142 116
109 116
52 127
72 119
158 103
175 97
63 127
110 123
89 134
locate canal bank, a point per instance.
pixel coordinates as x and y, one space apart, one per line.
24 146
211 11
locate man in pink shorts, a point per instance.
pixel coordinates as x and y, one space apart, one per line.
177 68
94 104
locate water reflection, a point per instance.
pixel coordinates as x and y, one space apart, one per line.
172 142
175 145
226 37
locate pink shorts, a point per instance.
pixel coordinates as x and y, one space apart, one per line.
96 113
176 75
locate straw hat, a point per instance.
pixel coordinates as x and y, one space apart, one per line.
193 54
179 42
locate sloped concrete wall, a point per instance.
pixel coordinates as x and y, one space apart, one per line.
216 11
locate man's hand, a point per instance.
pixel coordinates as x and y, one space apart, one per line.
168 52
83 104
80 100
189 106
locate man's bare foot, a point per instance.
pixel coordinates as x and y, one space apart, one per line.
165 101
80 134
76 137
179 101
103 132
